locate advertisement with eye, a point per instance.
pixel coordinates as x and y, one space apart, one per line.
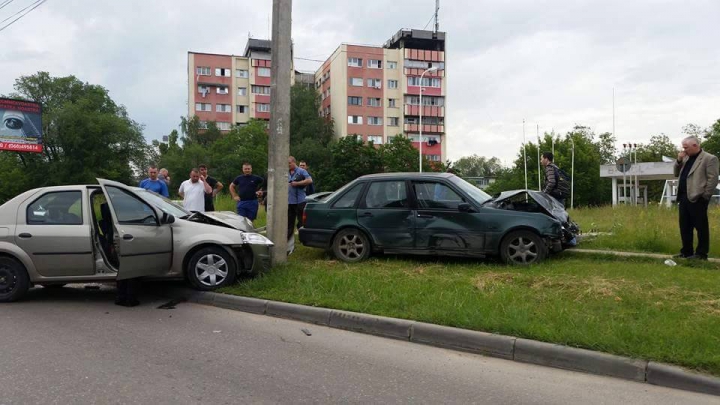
20 125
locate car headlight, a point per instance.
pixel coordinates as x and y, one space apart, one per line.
255 239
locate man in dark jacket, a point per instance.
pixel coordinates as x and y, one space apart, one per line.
697 173
555 183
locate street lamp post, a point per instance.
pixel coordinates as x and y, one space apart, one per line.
572 176
432 69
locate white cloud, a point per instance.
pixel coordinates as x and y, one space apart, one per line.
551 62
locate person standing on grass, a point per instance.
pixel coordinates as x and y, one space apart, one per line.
310 189
697 173
298 179
193 191
215 185
245 189
154 184
556 184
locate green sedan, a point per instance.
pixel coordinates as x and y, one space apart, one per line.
435 214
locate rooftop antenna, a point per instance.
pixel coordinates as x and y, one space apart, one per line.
437 9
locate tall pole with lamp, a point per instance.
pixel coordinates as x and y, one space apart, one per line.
572 175
432 69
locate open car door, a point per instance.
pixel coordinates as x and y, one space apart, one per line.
144 243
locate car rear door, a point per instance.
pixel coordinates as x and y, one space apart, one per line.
385 212
145 245
54 230
440 225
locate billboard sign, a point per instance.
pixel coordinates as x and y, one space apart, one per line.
20 125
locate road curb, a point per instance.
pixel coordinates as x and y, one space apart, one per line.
489 344
462 339
571 358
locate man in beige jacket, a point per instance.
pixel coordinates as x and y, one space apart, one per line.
698 176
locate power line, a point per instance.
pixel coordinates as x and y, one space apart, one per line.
35 5
5 4
430 20
311 60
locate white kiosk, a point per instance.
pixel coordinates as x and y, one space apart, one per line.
626 186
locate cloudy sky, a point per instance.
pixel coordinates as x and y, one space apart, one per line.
553 63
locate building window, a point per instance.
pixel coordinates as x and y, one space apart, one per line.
222 72
223 108
224 126
355 62
264 72
265 90
392 102
411 120
374 120
376 83
203 70
203 107
393 122
242 91
242 73
202 124
356 81
376 139
203 90
391 65
433 158
427 100
242 109
355 119
354 100
392 84
426 81
263 108
374 102
374 63
222 90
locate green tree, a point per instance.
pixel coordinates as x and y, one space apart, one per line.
85 133
477 166
350 159
399 155
711 142
305 122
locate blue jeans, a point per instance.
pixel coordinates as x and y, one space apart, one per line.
248 209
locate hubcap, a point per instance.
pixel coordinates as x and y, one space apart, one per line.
352 246
8 280
211 270
522 250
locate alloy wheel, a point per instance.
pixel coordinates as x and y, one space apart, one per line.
211 270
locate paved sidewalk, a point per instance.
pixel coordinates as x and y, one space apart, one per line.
632 254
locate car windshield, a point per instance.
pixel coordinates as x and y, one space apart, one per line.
474 192
162 203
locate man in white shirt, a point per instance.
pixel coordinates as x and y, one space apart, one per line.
193 191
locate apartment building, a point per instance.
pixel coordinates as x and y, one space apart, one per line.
230 89
374 91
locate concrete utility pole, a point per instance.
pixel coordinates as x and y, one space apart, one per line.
279 142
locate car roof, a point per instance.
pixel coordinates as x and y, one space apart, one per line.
405 176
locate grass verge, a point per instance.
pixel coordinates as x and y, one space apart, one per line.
637 308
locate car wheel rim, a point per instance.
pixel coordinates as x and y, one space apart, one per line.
211 270
352 246
8 280
523 250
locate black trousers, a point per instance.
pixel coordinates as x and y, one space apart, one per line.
294 214
127 289
694 216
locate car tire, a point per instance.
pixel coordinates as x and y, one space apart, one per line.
351 245
211 268
522 248
14 279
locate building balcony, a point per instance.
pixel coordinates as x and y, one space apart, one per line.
428 110
427 128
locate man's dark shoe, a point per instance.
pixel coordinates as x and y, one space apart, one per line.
697 257
680 256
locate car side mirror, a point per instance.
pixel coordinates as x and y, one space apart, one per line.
167 218
465 207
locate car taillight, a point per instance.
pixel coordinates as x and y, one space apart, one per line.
304 216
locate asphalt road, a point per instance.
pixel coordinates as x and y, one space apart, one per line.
75 346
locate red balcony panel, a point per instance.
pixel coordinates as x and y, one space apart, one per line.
429 91
261 98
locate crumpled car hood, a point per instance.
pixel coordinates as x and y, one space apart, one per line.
231 219
551 206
